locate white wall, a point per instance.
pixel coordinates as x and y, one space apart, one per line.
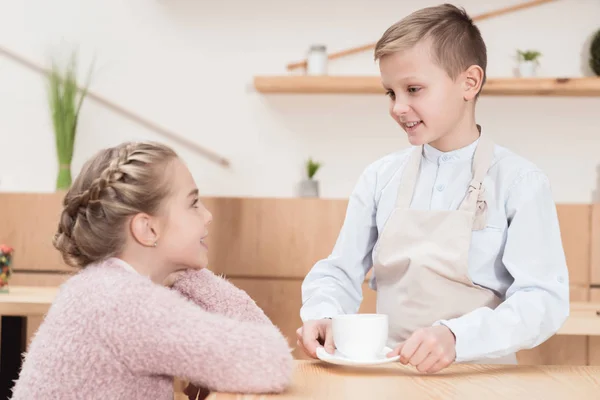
188 66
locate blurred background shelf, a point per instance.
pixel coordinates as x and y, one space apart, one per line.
301 84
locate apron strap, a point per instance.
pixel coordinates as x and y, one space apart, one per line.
475 200
409 177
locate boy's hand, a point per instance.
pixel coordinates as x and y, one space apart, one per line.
429 350
315 334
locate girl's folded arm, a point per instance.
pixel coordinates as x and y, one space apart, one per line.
218 295
156 331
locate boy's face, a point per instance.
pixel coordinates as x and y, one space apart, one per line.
424 100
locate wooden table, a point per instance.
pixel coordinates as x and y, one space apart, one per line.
21 302
316 380
27 300
324 382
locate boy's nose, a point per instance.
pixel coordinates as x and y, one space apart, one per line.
400 108
208 217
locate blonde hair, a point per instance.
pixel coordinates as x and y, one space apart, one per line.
456 40
116 183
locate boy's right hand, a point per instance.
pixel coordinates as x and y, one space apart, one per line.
314 334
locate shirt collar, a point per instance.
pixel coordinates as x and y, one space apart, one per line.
439 157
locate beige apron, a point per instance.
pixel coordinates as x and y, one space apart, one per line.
421 257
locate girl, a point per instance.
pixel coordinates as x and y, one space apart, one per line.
133 222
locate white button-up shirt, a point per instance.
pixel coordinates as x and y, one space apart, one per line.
519 254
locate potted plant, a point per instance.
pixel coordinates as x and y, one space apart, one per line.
528 60
65 103
309 187
6 254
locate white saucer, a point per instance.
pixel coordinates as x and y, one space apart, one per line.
339 359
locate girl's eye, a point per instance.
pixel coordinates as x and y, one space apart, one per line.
413 89
390 94
195 203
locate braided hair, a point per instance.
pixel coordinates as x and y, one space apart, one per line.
115 184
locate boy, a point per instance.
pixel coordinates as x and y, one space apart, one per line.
462 234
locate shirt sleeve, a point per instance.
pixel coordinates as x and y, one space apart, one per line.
156 331
537 302
218 295
334 284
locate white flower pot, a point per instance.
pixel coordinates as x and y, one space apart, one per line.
527 69
309 188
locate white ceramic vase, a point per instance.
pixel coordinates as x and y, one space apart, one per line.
527 69
309 188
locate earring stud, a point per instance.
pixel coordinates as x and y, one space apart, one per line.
155 243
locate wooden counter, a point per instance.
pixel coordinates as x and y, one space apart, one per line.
27 301
316 380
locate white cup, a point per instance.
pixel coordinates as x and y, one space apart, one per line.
360 336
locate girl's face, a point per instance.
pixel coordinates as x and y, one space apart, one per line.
184 222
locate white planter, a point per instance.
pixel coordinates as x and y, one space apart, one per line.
527 69
309 188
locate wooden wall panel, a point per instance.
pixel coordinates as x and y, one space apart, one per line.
575 226
285 237
273 237
29 221
560 349
594 341
595 245
251 237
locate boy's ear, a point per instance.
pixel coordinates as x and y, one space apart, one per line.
473 79
144 230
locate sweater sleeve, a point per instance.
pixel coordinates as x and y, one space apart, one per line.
156 331
218 295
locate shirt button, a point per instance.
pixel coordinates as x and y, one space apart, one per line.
445 158
440 187
560 279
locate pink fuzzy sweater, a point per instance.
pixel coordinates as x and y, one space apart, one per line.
114 334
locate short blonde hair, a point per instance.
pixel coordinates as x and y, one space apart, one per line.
117 183
456 41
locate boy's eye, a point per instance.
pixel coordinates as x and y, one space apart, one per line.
413 89
390 94
195 203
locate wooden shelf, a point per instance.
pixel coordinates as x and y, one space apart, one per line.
300 84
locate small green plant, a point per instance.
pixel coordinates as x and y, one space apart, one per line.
528 55
595 54
64 109
312 167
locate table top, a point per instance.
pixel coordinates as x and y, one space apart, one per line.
317 380
27 300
